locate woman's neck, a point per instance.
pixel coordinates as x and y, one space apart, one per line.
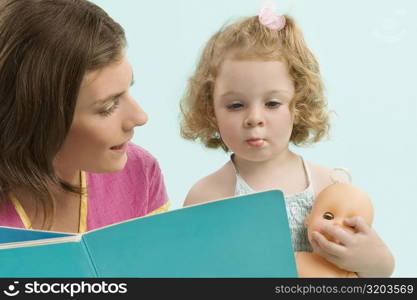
66 204
67 172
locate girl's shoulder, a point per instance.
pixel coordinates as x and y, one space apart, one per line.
217 185
322 177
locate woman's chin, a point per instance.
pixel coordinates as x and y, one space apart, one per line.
112 166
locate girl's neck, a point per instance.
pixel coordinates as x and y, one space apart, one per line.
279 162
284 172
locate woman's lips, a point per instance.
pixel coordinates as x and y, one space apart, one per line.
255 142
120 148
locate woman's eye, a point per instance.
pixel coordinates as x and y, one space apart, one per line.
272 104
111 109
234 106
328 216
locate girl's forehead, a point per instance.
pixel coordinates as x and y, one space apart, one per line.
254 74
233 68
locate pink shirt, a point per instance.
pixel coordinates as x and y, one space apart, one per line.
114 197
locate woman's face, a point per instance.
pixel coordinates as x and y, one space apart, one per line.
104 118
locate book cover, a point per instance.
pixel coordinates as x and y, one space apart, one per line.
245 236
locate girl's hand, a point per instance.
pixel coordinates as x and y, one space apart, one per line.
361 251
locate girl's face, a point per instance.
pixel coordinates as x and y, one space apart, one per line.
251 106
104 119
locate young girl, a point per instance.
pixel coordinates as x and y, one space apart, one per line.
257 88
66 119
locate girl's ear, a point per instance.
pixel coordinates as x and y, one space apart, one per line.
295 116
213 121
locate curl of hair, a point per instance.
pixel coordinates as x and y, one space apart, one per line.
46 48
248 39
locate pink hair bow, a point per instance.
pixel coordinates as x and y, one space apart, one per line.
269 17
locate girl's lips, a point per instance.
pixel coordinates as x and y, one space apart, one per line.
120 148
257 142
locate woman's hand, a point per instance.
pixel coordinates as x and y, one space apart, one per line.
361 251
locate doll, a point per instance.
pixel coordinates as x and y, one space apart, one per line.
333 204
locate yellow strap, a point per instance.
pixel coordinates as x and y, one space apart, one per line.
82 227
20 211
163 208
83 203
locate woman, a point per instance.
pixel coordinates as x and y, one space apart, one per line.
66 118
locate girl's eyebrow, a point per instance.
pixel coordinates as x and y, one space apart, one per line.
281 92
271 92
230 93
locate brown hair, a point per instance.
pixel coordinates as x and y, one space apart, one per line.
46 48
249 39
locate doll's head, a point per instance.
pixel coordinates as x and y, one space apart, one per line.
336 203
249 40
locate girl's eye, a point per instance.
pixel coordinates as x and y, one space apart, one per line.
234 106
111 109
272 104
328 216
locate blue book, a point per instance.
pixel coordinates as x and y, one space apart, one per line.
246 236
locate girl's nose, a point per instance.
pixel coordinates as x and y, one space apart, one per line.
254 118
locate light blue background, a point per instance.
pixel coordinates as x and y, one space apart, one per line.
367 51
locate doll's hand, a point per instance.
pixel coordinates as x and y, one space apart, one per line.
362 252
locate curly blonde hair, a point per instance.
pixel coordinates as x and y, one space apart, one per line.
249 39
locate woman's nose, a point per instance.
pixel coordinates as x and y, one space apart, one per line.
136 116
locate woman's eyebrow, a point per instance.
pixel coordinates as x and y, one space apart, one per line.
112 96
108 98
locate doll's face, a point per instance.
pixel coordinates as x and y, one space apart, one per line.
336 203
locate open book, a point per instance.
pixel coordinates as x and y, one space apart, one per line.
246 236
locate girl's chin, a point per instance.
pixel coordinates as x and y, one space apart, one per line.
253 157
